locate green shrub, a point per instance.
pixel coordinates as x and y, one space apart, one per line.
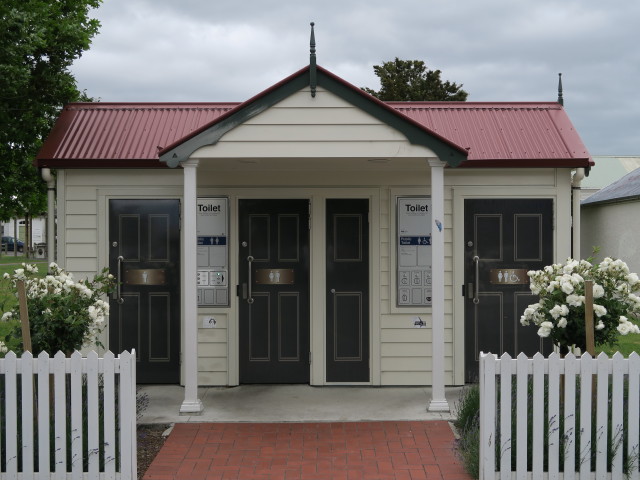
467 422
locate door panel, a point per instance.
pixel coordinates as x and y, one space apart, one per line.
347 290
274 280
146 234
508 237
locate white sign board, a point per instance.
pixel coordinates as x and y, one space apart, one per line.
413 251
213 255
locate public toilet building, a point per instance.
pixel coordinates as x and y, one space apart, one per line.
314 234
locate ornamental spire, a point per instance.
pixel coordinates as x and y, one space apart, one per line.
312 62
560 99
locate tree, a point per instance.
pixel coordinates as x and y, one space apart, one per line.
39 40
409 80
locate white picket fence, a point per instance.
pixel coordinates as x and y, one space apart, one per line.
76 413
587 398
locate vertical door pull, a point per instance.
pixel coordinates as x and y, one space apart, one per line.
119 298
476 298
250 297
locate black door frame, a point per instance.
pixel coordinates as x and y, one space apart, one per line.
313 243
341 370
460 272
171 267
241 277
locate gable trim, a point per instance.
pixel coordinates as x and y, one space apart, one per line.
210 134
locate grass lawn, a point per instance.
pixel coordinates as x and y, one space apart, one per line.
626 345
9 263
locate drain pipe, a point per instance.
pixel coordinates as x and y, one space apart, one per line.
51 214
575 211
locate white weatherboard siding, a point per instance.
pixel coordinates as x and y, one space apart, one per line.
315 149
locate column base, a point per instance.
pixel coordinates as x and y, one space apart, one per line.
192 408
438 406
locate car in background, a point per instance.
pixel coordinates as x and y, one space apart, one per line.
8 244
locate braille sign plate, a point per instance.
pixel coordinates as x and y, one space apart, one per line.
274 276
149 276
508 276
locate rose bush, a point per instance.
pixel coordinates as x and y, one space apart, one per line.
63 314
559 314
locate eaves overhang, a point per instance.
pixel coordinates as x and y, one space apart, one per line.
211 133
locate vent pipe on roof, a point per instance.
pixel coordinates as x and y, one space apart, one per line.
560 99
312 63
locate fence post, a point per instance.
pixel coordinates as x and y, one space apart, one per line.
24 316
588 317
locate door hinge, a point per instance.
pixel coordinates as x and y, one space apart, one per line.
309 215
310 358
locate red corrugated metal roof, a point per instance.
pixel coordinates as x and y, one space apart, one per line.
502 133
122 134
102 135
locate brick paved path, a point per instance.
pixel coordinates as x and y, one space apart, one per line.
413 450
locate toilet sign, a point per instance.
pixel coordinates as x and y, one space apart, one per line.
413 243
212 227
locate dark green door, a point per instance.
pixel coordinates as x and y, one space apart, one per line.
347 290
144 253
504 238
274 291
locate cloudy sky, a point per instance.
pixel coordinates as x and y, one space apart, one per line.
500 50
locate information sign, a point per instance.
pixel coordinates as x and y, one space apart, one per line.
413 242
212 250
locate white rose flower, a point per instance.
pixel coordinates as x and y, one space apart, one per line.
598 291
576 278
567 287
559 311
3 347
553 286
599 310
575 300
6 316
545 329
623 328
568 268
632 278
599 326
562 323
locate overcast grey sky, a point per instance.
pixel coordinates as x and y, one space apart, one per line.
500 50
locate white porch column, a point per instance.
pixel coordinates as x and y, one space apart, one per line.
191 404
438 400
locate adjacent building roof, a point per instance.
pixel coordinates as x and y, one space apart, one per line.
608 169
624 189
132 135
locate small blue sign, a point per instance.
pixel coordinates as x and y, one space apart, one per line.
212 241
422 240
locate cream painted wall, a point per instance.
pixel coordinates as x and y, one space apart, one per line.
400 353
614 228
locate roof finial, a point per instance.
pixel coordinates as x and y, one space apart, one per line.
560 99
312 62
